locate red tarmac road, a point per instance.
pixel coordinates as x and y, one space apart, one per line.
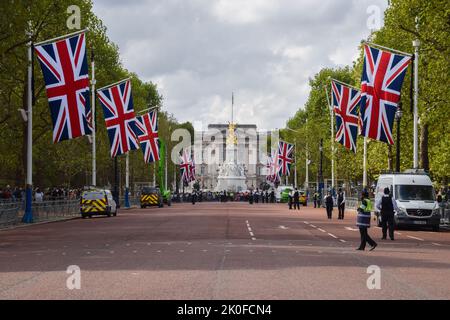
220 251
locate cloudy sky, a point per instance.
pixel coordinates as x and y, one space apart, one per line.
199 51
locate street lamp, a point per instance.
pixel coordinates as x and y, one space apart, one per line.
398 117
321 168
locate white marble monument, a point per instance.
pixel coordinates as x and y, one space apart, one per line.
231 174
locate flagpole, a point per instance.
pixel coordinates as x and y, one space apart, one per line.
386 48
61 37
28 216
332 138
365 164
416 44
94 124
127 180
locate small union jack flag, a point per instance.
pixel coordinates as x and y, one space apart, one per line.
273 172
285 157
147 134
186 166
346 106
65 69
382 80
118 110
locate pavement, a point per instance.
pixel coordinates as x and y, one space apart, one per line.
221 251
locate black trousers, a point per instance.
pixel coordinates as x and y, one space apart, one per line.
296 204
341 209
387 222
330 212
365 238
315 203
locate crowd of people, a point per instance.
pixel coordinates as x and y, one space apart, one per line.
17 194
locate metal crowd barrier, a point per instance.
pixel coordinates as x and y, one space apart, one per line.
11 213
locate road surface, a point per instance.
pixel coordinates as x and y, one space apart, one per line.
220 251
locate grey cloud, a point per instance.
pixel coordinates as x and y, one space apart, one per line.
198 51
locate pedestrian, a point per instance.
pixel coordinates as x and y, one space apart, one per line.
296 199
250 197
193 197
39 195
267 196
290 199
386 205
363 222
329 205
341 204
256 196
315 197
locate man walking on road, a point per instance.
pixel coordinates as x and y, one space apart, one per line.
329 205
387 205
363 222
341 204
296 199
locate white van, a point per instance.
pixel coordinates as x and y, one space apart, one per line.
415 198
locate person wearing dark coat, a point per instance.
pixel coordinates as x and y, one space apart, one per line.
386 205
296 199
341 204
329 205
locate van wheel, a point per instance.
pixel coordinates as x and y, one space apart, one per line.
436 228
83 216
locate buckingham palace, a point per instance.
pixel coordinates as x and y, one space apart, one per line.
251 153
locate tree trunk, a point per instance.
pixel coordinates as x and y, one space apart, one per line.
424 148
390 160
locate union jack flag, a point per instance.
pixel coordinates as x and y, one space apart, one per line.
345 105
273 172
382 79
285 157
147 134
118 110
65 69
186 166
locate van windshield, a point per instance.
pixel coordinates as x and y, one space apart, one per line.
149 190
413 192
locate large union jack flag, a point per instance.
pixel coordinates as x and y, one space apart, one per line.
118 110
285 157
382 79
346 102
147 134
186 166
65 69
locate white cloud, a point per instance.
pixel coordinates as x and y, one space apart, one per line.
199 51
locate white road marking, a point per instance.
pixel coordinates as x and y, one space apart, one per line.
305 222
181 251
252 234
159 251
112 252
254 239
415 238
350 229
437 244
321 230
313 226
283 227
398 233
249 229
135 251
343 241
332 235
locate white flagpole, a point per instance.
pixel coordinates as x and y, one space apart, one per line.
28 216
416 44
332 138
94 146
365 164
127 180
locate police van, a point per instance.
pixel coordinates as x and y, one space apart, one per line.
97 202
415 196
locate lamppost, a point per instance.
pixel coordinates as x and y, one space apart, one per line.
398 117
321 169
